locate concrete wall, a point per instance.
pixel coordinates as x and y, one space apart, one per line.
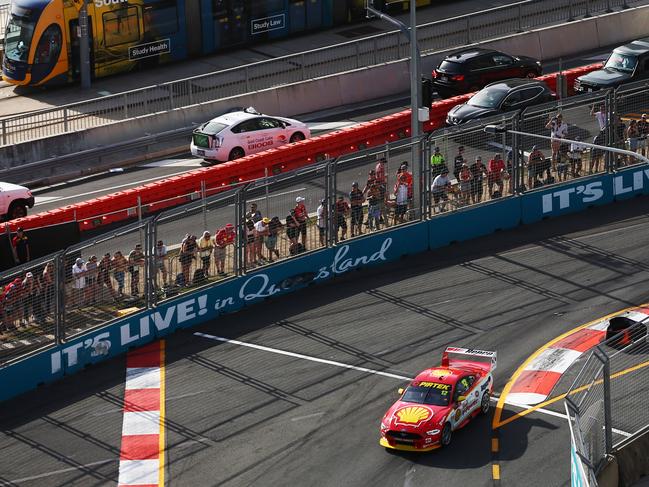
341 89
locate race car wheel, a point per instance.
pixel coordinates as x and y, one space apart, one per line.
446 435
297 136
236 153
485 404
16 210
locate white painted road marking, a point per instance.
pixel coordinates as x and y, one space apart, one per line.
63 470
305 357
143 378
138 472
141 423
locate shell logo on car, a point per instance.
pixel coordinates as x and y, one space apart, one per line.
412 415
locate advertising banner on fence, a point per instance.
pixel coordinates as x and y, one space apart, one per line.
198 307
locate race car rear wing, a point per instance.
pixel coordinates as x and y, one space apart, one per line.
455 356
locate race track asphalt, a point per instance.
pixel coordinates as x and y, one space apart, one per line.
238 416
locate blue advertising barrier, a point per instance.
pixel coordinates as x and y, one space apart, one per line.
205 304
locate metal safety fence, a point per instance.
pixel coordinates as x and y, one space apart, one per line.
603 403
330 60
217 233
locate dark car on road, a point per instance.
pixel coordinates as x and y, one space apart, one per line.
626 63
502 96
470 69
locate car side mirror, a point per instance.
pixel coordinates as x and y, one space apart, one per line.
461 398
400 390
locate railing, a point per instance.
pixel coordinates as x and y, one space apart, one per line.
604 408
4 18
382 48
55 303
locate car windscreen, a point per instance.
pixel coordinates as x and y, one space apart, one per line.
450 67
433 393
488 98
621 62
213 127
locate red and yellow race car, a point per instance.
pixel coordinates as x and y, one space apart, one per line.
440 400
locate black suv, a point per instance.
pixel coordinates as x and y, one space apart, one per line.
471 69
500 97
626 63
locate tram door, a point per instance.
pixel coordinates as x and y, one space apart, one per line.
193 27
229 23
297 15
313 14
75 52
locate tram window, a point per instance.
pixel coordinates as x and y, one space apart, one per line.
18 37
49 47
265 7
121 26
161 18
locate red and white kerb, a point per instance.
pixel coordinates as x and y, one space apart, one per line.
141 461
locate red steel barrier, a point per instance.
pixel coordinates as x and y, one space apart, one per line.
163 194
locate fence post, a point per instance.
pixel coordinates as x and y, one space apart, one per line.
426 172
247 80
570 17
608 420
303 68
468 29
148 280
608 7
240 241
139 219
267 196
171 97
358 55
587 14
609 135
329 206
520 17
59 295
517 167
204 205
65 120
190 92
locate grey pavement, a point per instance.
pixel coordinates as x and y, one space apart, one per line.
18 100
238 416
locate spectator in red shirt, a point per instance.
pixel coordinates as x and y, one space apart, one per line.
301 215
495 172
224 237
20 243
403 171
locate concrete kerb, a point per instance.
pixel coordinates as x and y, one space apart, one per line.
336 90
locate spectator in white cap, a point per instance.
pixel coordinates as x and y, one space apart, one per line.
205 248
79 280
302 216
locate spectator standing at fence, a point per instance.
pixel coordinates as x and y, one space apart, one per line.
224 236
186 255
92 271
478 172
12 310
465 184
262 230
274 227
558 130
119 265
253 214
20 244
403 171
342 210
440 188
371 179
437 163
302 216
292 228
632 136
535 167
103 276
374 209
47 280
160 254
599 113
29 291
401 199
381 176
321 221
79 281
458 162
135 261
356 200
620 132
495 171
205 248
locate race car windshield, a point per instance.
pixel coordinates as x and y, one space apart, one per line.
431 393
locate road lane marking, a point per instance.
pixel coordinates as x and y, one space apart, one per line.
308 416
494 445
141 460
304 357
58 472
495 471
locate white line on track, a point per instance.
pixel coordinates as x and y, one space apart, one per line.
305 357
63 470
308 416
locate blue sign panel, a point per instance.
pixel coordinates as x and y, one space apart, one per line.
266 24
